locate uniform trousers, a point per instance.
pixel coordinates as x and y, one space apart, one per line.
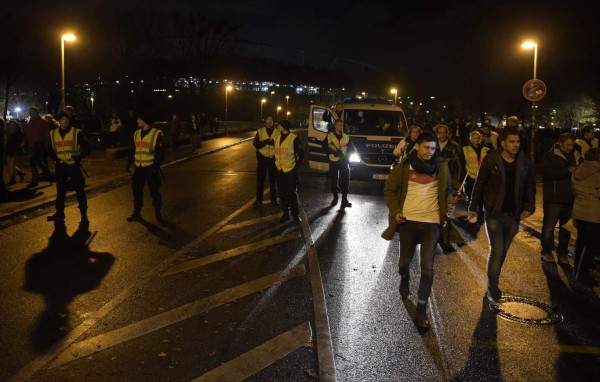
287 182
141 175
265 166
340 177
64 174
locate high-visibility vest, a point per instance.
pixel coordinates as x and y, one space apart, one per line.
285 157
145 147
341 143
267 150
471 162
585 145
65 147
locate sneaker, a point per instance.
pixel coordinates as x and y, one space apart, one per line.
548 257
404 287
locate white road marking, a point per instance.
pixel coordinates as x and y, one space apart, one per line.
191 264
323 331
253 361
152 324
251 222
39 362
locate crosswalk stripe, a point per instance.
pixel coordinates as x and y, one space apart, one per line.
149 325
191 264
251 222
253 361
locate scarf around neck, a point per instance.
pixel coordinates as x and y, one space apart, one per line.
429 167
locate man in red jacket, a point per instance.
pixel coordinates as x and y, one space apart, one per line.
37 135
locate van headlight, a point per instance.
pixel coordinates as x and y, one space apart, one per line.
354 158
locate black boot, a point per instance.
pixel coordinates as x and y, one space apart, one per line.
422 321
57 216
335 200
404 287
135 217
345 202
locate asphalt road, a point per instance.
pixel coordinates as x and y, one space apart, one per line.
225 292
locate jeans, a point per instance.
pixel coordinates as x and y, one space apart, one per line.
555 212
587 246
501 228
428 235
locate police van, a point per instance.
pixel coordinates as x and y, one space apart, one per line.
374 129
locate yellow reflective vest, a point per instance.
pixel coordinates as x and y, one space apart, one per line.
585 145
65 147
145 147
285 157
341 144
267 150
471 162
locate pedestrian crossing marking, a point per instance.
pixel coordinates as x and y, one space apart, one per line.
104 341
262 356
191 264
251 222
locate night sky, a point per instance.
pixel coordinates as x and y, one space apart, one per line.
461 49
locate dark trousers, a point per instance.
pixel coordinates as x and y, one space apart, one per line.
266 166
340 177
587 246
287 183
468 189
428 235
142 175
36 159
555 212
501 228
69 176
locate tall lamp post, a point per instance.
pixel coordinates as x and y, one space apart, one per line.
262 102
287 103
227 90
534 45
278 109
395 93
65 37
272 96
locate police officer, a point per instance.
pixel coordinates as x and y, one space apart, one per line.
587 140
339 166
147 153
67 146
264 141
288 154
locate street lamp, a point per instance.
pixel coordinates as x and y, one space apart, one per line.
287 102
17 110
529 45
278 108
65 37
262 102
92 101
395 93
287 114
227 89
272 96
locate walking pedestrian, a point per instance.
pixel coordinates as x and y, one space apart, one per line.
264 142
407 143
37 135
147 153
557 167
67 147
13 148
339 164
473 156
195 132
506 183
288 155
586 212
450 150
418 194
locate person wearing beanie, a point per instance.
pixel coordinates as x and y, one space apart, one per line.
288 155
67 147
148 154
264 142
339 165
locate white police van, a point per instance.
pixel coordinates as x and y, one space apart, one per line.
374 129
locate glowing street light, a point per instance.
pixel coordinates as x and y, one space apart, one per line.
272 96
395 93
287 102
17 110
227 90
262 102
287 114
92 101
278 109
65 37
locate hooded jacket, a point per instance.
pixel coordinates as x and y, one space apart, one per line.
557 177
491 184
586 184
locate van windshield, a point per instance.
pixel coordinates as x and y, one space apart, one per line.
373 122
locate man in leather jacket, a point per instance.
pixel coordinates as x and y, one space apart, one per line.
506 182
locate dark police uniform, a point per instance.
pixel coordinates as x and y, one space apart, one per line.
288 153
339 166
264 141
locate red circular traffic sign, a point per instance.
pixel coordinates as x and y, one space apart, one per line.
534 90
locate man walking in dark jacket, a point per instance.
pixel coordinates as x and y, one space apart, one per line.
558 165
506 183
